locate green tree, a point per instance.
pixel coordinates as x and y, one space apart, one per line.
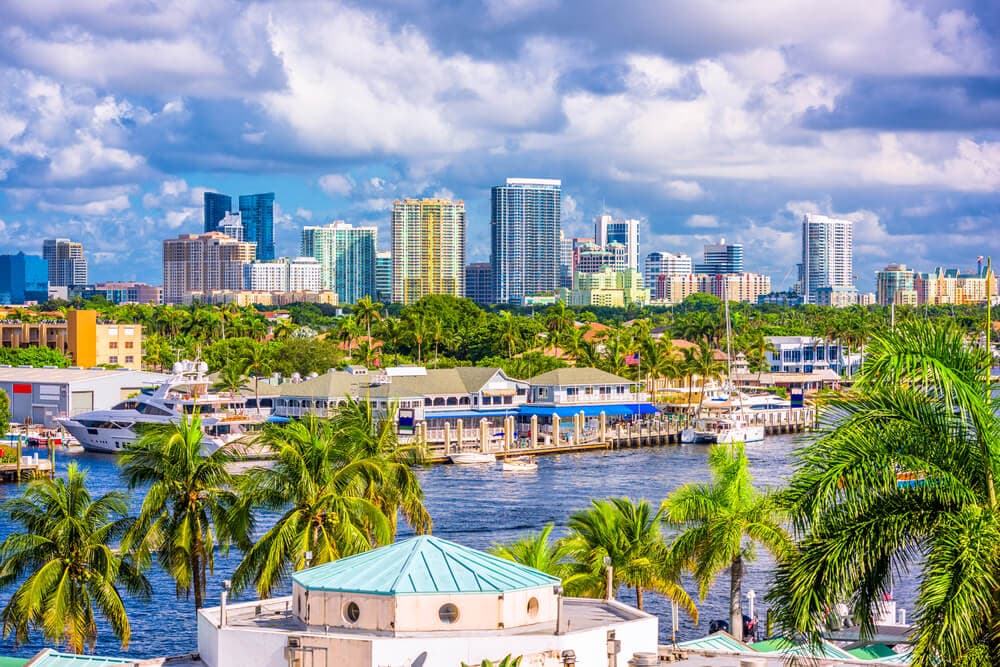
922 405
540 552
627 533
559 321
189 507
507 661
257 362
4 413
722 523
231 379
67 557
323 494
367 313
706 366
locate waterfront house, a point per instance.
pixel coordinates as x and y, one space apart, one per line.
803 354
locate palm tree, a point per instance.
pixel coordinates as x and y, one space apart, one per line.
922 406
326 514
509 332
189 507
722 523
257 363
706 366
559 321
348 332
367 313
231 379
628 534
421 327
74 570
538 551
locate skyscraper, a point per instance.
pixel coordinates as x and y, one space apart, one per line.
721 258
23 278
479 283
383 276
524 233
232 226
216 207
199 264
827 254
664 264
67 265
257 212
607 230
428 249
895 286
565 261
346 256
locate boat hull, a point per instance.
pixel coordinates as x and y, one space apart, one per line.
738 434
472 458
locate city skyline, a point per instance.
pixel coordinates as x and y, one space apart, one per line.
895 129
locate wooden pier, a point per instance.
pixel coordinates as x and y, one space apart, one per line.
27 470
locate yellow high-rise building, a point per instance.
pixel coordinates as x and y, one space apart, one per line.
428 249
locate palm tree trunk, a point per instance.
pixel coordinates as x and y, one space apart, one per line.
196 577
638 597
736 598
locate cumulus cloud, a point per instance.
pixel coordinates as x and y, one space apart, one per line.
701 221
336 184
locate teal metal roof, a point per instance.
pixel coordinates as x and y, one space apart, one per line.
423 564
717 641
50 658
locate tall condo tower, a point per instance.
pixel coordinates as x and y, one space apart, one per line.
607 230
720 258
346 256
217 206
257 212
827 254
524 234
428 248
67 265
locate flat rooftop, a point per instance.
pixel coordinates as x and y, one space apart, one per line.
71 375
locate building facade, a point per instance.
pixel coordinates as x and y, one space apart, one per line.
23 279
347 258
608 288
428 249
85 340
383 276
721 257
525 218
67 265
625 232
216 206
283 275
665 263
565 261
126 292
257 213
743 287
894 286
827 255
199 264
479 283
232 226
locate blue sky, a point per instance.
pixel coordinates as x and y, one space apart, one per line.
704 118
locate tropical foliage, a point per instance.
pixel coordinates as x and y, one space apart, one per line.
68 563
722 523
923 412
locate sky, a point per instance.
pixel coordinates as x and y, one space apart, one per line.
705 119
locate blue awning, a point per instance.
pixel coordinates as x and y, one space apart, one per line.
471 414
278 419
611 410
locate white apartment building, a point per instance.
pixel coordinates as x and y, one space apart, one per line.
827 255
67 265
665 263
607 230
232 225
301 274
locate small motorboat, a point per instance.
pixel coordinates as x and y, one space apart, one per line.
473 458
520 464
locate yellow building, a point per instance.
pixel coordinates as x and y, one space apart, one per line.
608 288
80 336
428 249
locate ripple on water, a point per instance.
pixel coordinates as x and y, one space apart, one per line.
475 506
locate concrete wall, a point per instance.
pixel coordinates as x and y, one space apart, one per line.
419 613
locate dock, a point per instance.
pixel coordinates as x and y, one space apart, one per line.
28 469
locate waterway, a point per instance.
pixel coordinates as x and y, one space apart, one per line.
475 506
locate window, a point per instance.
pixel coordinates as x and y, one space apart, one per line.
129 331
113 345
112 360
129 345
533 607
129 359
112 331
352 612
448 613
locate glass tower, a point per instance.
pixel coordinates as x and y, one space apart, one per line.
257 212
23 278
216 207
721 258
524 234
346 256
383 277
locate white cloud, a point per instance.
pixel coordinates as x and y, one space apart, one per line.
337 184
100 207
171 192
177 218
304 214
700 221
684 190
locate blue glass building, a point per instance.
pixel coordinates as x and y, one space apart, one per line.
524 235
23 278
216 207
257 212
721 258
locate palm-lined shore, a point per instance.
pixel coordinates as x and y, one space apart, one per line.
641 538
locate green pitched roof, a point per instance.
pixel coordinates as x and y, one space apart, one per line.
50 658
872 652
577 376
717 641
12 662
423 564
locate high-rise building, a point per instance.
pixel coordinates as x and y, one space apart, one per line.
257 212
200 264
894 286
428 249
23 278
720 258
346 255
383 276
665 263
126 292
216 207
565 261
827 255
607 230
607 288
301 274
479 283
524 234
67 265
232 226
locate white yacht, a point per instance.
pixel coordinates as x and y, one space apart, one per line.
723 430
224 417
